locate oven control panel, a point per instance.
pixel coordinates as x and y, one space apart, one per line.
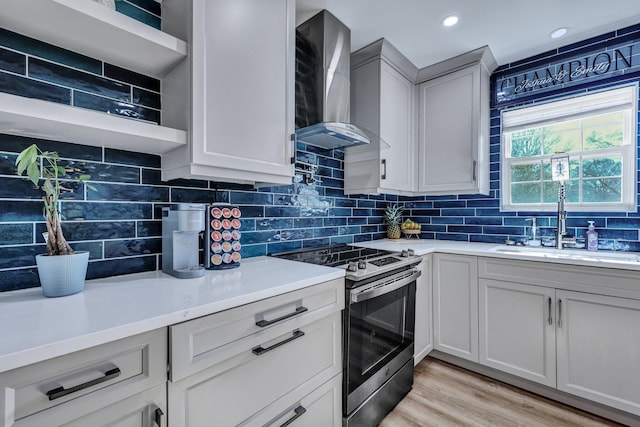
365 268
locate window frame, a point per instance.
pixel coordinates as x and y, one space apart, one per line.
573 108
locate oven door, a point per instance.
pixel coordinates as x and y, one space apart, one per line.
379 328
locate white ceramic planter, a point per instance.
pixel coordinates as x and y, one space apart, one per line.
62 275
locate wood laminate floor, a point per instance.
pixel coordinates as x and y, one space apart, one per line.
445 395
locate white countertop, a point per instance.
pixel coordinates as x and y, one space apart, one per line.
35 328
602 259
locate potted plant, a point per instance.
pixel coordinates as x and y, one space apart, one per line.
61 270
393 214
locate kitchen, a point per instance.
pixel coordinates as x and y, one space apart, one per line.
120 222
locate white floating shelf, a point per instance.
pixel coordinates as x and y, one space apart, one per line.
49 120
89 28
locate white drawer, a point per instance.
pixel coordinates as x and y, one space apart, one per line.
201 343
322 407
109 371
234 390
596 280
144 409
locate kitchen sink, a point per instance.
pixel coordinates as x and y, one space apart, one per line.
573 254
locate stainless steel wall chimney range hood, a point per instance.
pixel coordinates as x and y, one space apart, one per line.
323 67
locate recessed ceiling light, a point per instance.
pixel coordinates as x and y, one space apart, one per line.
556 34
450 21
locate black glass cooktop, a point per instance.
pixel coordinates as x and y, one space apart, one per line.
332 256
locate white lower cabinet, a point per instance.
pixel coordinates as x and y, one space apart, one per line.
598 340
423 337
455 305
517 329
121 383
582 343
261 363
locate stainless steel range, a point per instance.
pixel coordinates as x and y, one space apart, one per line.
379 323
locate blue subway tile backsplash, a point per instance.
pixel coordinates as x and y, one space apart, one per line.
13 61
120 222
36 48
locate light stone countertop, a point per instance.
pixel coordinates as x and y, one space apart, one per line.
602 259
34 328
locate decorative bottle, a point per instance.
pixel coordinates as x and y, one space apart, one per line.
592 237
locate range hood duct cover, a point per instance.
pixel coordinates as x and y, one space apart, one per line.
323 87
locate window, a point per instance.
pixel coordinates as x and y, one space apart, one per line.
597 131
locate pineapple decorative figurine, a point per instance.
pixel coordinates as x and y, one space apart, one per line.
393 214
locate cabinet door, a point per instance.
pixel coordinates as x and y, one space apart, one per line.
382 102
517 329
455 308
396 130
598 341
423 341
453 133
145 409
242 93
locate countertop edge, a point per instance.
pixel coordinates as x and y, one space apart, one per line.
50 350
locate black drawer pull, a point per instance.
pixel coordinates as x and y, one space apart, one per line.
59 392
263 323
299 411
259 351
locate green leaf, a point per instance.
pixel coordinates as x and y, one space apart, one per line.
28 156
91 187
84 177
61 171
48 188
33 172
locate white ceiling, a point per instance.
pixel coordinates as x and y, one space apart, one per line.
513 29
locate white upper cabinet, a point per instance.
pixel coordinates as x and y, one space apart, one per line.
235 94
382 103
430 127
453 122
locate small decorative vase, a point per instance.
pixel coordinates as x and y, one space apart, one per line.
62 275
111 4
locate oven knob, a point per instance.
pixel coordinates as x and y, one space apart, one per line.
362 265
352 266
411 252
404 253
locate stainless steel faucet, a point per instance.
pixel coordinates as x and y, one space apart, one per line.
561 230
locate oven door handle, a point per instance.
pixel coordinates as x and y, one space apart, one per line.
385 285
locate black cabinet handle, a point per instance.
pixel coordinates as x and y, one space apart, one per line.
384 169
559 322
259 351
59 392
158 414
299 411
263 323
549 318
